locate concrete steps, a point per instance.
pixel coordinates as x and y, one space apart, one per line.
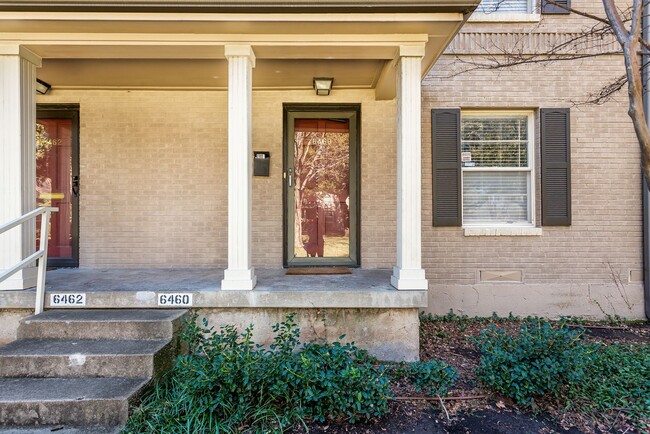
82 369
84 358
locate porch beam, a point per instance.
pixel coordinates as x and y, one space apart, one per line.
408 274
17 159
240 274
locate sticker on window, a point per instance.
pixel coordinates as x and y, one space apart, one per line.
469 164
465 156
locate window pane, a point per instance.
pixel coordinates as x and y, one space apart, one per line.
502 6
322 188
495 197
494 141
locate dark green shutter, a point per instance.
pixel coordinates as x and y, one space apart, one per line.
554 9
445 138
556 167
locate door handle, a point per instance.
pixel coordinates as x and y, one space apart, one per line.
290 177
75 185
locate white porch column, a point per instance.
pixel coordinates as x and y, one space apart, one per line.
408 273
240 273
17 159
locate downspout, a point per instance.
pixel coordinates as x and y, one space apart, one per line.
646 192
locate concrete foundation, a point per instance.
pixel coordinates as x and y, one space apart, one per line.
388 334
9 321
588 300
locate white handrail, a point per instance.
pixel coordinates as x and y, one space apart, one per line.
40 254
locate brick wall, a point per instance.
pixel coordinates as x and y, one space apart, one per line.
154 172
592 267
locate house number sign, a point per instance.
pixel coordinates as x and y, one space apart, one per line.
68 299
175 299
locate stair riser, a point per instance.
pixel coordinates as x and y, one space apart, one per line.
97 412
77 366
95 330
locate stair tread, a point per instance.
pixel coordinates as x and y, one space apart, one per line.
88 347
106 315
68 389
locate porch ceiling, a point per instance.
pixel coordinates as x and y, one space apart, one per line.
159 50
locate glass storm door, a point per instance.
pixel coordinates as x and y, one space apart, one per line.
321 211
57 182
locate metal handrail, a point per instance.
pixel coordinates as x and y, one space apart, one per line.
40 254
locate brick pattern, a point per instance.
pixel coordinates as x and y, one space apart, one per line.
606 181
154 177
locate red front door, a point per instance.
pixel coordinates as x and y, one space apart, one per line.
57 180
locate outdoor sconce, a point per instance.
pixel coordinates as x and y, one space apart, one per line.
323 85
42 87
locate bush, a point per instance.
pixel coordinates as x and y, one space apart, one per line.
433 378
227 383
618 381
539 360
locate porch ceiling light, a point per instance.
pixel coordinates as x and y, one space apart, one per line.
323 85
42 87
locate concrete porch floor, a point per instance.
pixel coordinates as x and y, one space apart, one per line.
138 288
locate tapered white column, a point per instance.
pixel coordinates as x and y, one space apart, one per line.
240 273
408 273
17 159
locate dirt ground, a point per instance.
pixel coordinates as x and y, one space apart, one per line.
478 410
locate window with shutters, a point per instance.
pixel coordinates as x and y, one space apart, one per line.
497 168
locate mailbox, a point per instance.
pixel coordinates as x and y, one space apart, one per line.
261 163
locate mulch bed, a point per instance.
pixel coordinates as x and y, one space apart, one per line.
449 341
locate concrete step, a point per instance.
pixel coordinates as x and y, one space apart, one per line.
68 401
116 324
86 358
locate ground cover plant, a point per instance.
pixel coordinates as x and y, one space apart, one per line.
227 383
540 359
617 385
612 360
444 393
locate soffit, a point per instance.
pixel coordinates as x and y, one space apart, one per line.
204 73
163 50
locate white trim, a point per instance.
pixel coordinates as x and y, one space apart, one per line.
513 17
510 231
412 50
218 17
530 169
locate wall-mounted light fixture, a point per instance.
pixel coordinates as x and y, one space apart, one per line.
323 85
42 87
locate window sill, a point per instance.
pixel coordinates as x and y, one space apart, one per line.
503 232
505 18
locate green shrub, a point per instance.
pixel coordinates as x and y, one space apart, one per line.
539 360
433 378
226 382
618 381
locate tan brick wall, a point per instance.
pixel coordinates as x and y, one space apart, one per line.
154 170
581 269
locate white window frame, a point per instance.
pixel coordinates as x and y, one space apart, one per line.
532 16
530 170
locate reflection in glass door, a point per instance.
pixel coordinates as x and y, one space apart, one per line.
321 194
57 182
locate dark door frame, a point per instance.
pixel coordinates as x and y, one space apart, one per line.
352 112
66 111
